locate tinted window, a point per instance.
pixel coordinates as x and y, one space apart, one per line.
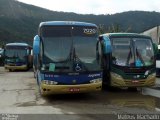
68 31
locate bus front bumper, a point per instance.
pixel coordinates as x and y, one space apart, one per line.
120 82
62 89
22 67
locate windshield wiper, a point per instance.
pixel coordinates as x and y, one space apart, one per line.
77 61
139 56
129 56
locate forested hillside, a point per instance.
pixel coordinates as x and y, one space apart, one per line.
19 21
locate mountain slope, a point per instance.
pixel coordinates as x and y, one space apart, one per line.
19 21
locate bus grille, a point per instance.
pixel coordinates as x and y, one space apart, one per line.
11 64
139 83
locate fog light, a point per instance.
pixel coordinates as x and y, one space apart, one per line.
116 75
152 75
53 82
48 82
95 81
45 82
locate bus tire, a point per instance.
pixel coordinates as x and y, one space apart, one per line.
34 74
106 84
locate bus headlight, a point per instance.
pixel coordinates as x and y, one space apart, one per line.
48 82
116 75
43 67
96 81
152 75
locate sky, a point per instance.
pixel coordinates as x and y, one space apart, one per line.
96 6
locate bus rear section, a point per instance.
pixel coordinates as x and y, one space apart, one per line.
65 58
18 56
132 61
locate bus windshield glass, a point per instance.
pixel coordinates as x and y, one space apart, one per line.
57 43
62 43
132 52
85 39
18 54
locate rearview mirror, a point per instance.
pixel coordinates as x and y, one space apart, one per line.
36 45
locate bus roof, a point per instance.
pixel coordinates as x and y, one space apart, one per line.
66 23
18 44
125 35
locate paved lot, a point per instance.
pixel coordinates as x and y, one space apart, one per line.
19 95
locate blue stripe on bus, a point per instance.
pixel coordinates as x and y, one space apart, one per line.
68 79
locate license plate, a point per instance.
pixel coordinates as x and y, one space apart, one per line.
74 89
135 81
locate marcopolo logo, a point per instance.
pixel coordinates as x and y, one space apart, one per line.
94 75
89 31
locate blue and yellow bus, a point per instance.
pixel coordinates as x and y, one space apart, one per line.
18 56
131 62
65 58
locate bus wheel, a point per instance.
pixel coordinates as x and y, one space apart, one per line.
34 74
39 86
106 83
41 91
27 69
103 86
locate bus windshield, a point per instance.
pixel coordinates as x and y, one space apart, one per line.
62 43
132 52
57 43
16 54
85 40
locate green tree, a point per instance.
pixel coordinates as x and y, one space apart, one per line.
111 29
